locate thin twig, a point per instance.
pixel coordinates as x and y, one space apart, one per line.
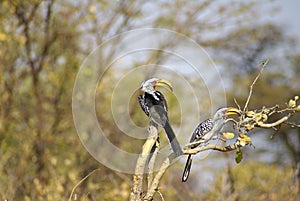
237 104
84 178
276 123
231 120
285 110
162 198
292 124
273 110
263 64
193 144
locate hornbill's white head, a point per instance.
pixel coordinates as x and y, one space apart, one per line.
222 113
150 85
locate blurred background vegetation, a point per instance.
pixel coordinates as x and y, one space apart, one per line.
43 44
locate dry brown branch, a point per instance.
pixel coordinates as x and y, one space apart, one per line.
191 144
276 123
154 186
247 121
258 119
137 189
263 65
211 147
152 163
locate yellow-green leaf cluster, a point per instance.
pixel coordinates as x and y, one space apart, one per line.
243 140
293 102
228 135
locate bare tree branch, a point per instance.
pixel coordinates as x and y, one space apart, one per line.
292 124
237 104
247 121
211 147
152 163
154 186
276 123
263 64
137 189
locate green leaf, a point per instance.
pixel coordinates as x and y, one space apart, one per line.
238 156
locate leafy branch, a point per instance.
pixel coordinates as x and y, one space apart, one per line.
248 120
242 125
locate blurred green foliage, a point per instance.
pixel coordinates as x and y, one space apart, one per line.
258 181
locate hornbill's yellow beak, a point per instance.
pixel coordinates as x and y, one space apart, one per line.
232 111
164 83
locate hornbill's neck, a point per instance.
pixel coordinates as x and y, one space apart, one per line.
153 94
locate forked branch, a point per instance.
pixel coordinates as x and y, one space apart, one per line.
242 125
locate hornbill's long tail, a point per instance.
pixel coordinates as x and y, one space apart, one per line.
155 106
172 139
187 168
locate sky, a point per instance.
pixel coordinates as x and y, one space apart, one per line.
288 15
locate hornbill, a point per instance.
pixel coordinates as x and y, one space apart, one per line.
155 107
206 130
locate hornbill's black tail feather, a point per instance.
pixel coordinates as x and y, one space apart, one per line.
172 139
187 168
